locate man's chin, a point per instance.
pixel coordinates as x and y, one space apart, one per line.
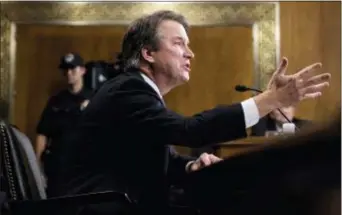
185 78
71 82
180 80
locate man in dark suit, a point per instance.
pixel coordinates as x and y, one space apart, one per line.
275 120
126 131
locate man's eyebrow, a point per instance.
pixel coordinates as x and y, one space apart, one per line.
181 38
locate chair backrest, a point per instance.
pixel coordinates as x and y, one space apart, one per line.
12 182
33 169
21 170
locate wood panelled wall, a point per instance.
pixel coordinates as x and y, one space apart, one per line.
310 32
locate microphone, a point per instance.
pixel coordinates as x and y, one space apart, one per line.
243 88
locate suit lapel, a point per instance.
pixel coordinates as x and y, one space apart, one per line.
137 73
166 148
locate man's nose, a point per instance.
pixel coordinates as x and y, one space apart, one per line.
189 54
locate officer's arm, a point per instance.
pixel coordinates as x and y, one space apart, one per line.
41 142
43 129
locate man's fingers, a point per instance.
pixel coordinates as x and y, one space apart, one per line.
315 88
205 159
312 95
318 79
208 159
307 71
214 159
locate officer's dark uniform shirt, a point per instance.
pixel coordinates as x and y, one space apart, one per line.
61 115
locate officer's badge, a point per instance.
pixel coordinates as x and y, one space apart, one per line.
84 104
69 58
102 78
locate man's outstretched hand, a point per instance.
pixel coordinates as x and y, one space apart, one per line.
203 160
299 86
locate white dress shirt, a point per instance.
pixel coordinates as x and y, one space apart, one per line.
250 110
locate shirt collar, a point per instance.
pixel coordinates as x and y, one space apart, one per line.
152 84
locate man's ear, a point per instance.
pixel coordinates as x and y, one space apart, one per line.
147 54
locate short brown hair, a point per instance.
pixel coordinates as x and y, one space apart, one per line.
143 33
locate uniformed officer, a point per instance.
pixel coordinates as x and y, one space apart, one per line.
61 114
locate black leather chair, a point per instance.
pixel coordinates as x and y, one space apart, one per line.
22 185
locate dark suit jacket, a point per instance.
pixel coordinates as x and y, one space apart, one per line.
268 124
123 141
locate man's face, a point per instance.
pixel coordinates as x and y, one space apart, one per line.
288 112
74 75
174 55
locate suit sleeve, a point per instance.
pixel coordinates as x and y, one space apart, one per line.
177 165
260 128
141 109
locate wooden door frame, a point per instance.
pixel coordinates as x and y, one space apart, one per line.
263 18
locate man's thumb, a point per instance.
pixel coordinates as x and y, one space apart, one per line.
194 166
282 67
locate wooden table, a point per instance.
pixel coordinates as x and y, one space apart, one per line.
231 148
234 147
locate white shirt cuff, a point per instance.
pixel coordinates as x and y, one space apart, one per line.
250 112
